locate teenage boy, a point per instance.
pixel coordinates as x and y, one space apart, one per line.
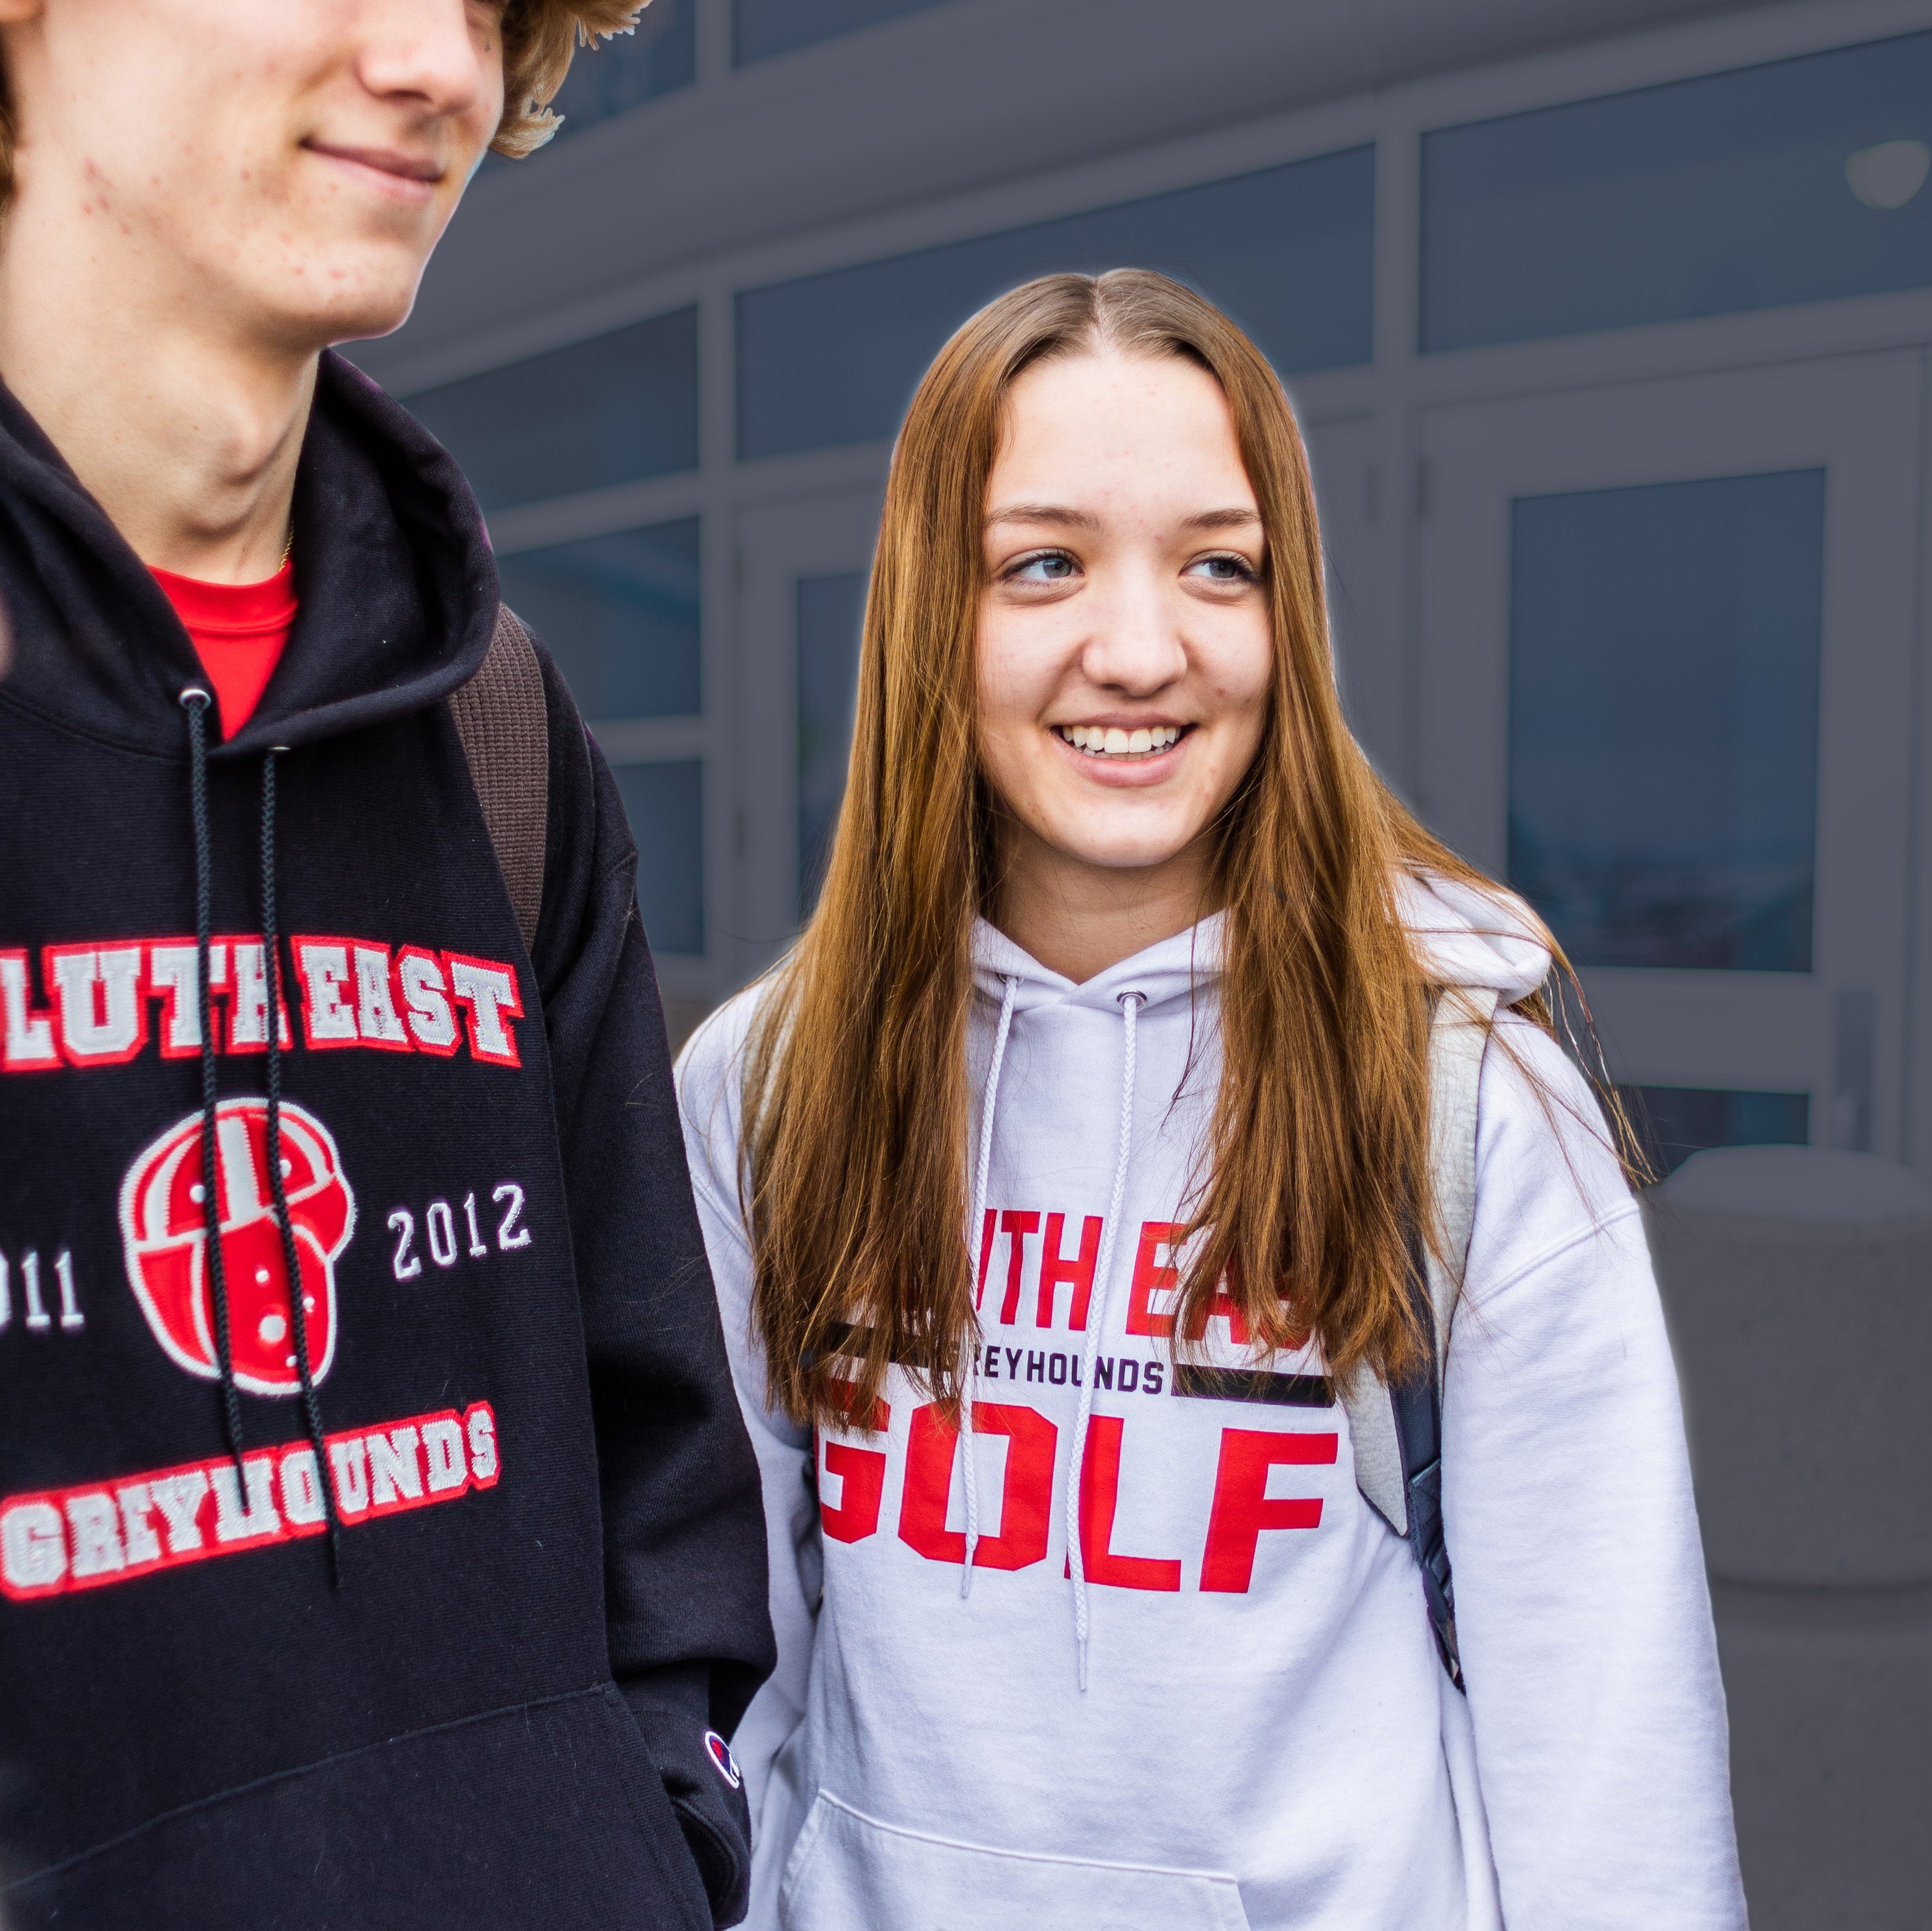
418 1596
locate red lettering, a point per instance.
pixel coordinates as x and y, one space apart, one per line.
1016 1227
1243 1507
1223 1307
861 1478
1099 1496
1150 1279
1026 1496
1055 1267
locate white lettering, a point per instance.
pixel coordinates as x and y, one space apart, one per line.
248 1011
96 1526
33 1545
301 1492
28 1035
441 1228
324 969
442 1450
404 1263
487 993
482 1445
72 1319
137 1505
350 1460
234 1523
171 972
393 1466
427 998
375 1010
100 1009
179 1498
37 1316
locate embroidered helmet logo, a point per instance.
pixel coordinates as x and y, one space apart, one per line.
163 1234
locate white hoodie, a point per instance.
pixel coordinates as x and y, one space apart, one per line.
1266 1738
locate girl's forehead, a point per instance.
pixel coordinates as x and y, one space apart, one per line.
1102 427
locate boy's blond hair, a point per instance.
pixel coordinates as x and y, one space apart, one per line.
539 38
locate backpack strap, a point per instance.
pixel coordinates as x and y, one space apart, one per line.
1397 1431
504 722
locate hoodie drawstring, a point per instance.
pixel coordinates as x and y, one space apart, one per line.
1130 1003
970 1393
278 1186
195 701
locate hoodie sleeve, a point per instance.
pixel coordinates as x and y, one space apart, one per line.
684 1548
709 1072
1582 1612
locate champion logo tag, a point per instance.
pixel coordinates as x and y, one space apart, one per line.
722 1761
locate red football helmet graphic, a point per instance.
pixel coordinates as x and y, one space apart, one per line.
163 1233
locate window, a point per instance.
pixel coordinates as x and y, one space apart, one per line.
760 28
1288 252
1797 181
1674 1122
612 76
1663 719
831 613
665 804
615 409
620 615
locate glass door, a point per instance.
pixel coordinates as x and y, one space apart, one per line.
1666 689
804 565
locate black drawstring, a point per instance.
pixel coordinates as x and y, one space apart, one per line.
277 1179
195 702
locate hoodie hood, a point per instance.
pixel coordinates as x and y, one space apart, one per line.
1461 935
397 585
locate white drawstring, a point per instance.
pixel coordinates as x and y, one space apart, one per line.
970 1390
1130 1004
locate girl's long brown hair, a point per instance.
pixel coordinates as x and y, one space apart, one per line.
855 1098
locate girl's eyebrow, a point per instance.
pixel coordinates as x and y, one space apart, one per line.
1067 518
1053 513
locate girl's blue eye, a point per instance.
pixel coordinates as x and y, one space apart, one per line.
1052 566
1225 569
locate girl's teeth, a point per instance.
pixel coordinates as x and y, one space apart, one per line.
1111 741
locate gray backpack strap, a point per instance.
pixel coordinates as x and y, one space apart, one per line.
1397 1432
504 723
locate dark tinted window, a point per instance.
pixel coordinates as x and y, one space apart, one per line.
1289 252
760 28
617 409
621 616
1793 182
1663 719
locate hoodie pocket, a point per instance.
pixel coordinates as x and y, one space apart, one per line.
849 1871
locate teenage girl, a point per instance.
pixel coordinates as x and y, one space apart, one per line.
1089 1122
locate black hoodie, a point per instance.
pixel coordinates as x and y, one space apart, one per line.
485 1699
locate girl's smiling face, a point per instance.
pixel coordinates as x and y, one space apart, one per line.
1124 642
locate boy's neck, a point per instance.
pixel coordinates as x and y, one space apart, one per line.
185 431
